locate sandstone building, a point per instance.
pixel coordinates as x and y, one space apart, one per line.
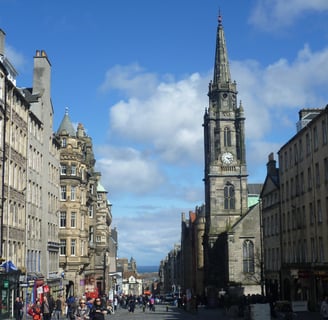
295 214
85 215
29 183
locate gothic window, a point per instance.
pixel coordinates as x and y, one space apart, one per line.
229 196
248 256
227 137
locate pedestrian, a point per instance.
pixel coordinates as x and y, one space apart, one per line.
115 303
71 307
22 309
82 311
36 310
324 308
18 308
58 308
46 309
98 311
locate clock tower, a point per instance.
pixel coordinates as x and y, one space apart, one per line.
225 158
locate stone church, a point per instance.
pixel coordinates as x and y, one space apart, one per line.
232 237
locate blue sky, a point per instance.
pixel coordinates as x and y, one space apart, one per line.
136 74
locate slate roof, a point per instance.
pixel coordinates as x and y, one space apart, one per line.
66 126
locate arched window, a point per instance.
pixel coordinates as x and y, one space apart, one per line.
229 196
248 256
227 137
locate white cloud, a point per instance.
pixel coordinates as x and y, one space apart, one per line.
154 235
278 14
169 119
164 128
270 91
128 170
16 59
131 80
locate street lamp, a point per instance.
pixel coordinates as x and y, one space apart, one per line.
104 271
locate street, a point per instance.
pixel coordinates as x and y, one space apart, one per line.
172 313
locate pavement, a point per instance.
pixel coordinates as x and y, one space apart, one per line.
203 313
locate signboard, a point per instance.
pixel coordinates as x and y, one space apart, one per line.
298 306
6 284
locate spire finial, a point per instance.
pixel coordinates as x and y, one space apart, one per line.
220 18
66 110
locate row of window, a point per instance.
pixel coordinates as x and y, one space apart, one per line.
302 217
63 217
35 159
297 185
71 170
297 218
71 249
272 258
298 252
295 154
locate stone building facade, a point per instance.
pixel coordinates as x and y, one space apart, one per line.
299 225
85 215
29 182
14 114
42 193
270 221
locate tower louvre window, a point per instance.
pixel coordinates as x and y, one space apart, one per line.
227 137
229 196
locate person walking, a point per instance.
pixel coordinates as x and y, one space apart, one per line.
58 308
82 311
18 308
324 308
98 311
46 309
36 310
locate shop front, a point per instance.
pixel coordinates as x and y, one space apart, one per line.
9 284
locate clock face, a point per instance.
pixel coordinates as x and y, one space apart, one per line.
227 158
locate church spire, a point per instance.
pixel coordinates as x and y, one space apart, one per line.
221 65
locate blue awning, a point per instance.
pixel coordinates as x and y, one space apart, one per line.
9 266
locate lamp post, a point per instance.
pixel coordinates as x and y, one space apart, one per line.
104 273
